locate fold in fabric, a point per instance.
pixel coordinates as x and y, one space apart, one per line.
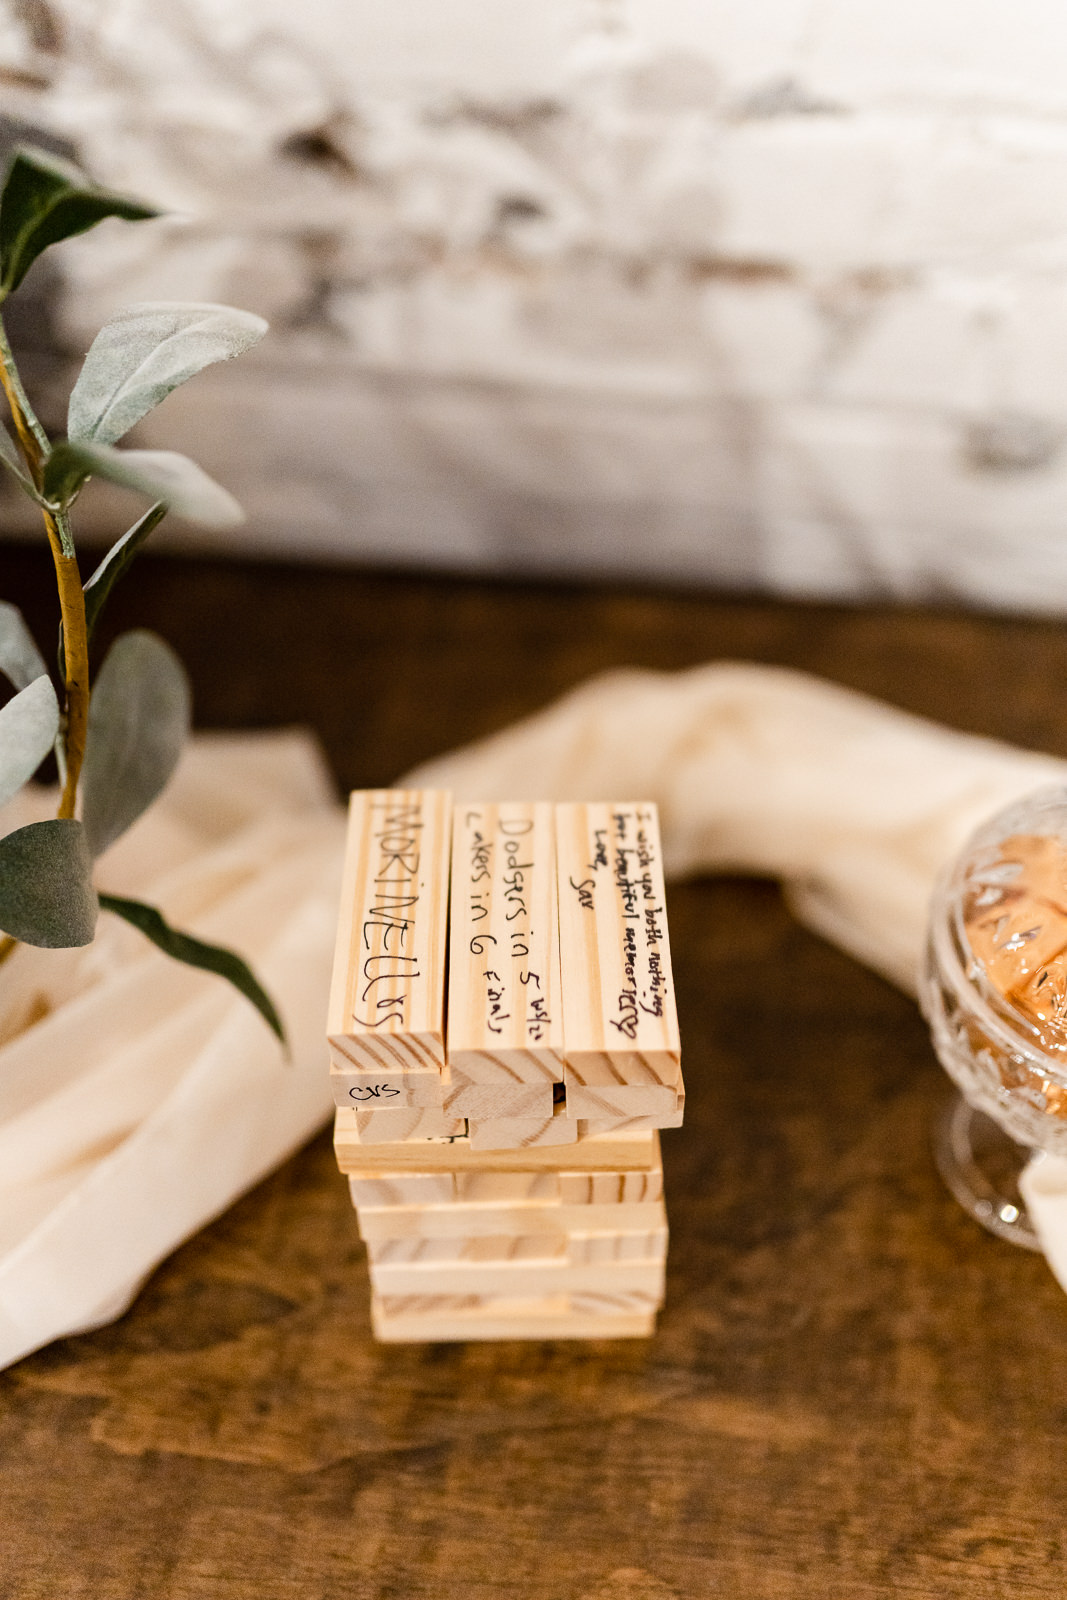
856 806
138 1097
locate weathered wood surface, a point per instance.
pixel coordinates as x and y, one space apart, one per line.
852 1392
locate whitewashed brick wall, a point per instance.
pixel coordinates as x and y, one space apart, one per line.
752 291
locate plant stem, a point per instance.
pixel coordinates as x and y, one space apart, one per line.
35 447
75 655
31 436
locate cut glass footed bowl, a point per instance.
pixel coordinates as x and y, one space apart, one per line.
993 987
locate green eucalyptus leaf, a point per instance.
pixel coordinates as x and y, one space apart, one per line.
20 660
183 487
142 354
195 953
138 722
13 461
45 200
28 727
46 895
114 564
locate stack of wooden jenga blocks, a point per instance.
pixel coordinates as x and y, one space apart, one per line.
504 1049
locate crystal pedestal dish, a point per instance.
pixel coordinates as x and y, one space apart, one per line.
994 990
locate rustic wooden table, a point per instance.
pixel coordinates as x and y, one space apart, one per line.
853 1392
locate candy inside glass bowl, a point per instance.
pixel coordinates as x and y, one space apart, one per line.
994 990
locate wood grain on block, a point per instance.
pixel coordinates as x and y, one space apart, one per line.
357 1086
496 1188
620 1023
504 1018
388 1126
519 1219
517 1277
653 1103
515 1133
466 1097
665 1119
608 1188
403 1189
607 1245
606 1152
404 1320
490 1247
387 995
615 1303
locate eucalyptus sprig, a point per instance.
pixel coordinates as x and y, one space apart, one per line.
117 739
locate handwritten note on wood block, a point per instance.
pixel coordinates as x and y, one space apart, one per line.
504 1020
387 996
620 1024
353 1087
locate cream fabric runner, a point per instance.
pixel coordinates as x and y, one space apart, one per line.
145 1097
148 1096
855 806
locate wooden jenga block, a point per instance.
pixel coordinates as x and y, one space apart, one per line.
600 1303
607 1188
424 1319
467 1097
403 1189
620 1024
517 1278
504 1017
519 1133
491 1247
387 996
389 1126
617 1124
650 1105
607 1246
532 1218
355 1087
494 1188
611 1152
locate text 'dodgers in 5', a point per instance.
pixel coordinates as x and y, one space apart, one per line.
504 1006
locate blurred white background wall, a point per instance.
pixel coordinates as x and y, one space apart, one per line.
757 292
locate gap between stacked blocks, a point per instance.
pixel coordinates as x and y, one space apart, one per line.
503 1052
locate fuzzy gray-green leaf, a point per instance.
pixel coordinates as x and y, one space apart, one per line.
28 727
114 564
143 353
163 475
45 200
195 953
46 895
138 722
13 461
20 660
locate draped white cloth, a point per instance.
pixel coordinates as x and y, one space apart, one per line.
139 1098
856 806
